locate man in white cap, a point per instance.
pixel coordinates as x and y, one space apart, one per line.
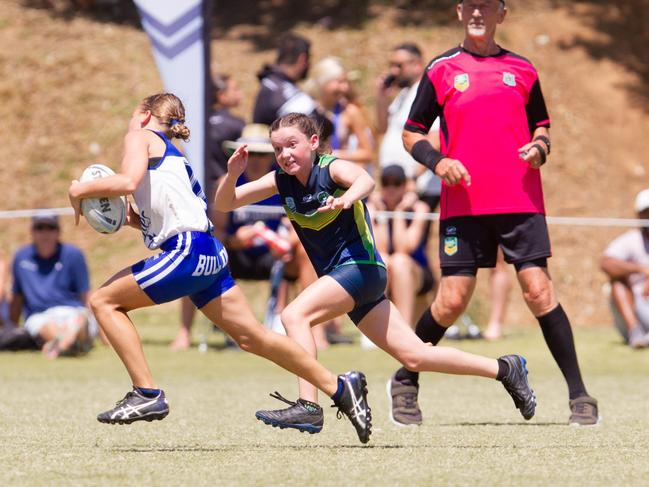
626 263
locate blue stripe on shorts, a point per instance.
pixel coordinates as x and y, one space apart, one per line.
193 264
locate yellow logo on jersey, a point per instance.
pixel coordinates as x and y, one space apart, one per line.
461 82
450 245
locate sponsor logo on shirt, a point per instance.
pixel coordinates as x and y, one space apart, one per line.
450 245
307 199
509 79
451 231
290 202
461 82
28 265
322 197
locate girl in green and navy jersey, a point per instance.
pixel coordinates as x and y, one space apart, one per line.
323 198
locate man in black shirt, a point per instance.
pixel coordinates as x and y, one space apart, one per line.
279 94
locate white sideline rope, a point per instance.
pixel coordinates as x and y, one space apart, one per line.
270 210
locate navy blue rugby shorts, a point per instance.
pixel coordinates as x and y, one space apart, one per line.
193 264
365 283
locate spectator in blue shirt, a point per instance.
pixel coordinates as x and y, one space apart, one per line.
50 288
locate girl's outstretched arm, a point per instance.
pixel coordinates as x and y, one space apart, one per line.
359 183
230 196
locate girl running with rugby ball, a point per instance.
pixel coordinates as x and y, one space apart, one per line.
172 217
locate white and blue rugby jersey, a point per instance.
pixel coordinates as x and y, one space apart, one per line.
170 198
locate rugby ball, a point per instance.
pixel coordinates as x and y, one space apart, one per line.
105 215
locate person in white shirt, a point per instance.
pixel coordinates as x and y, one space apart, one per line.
406 69
626 263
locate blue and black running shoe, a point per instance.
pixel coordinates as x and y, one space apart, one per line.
301 415
136 407
515 382
353 403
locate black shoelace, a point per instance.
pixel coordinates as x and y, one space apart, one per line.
279 397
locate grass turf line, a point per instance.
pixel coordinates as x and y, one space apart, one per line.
471 434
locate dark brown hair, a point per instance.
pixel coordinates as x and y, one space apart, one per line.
304 123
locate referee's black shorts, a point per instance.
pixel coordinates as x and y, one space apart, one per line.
467 243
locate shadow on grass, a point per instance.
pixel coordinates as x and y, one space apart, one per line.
502 423
165 343
230 448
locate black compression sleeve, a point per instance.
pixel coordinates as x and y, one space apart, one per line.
536 110
425 108
424 153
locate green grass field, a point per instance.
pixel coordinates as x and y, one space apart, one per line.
472 435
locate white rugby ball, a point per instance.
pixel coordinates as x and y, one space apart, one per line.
105 215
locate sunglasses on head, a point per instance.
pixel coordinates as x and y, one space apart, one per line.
392 182
44 226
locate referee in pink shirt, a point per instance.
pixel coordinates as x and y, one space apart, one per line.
494 135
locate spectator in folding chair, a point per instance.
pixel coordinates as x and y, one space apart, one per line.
50 287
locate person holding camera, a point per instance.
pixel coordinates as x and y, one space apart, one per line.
396 92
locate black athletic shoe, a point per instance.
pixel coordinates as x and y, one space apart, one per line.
136 407
301 415
353 404
515 382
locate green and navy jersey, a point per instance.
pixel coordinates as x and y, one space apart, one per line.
332 238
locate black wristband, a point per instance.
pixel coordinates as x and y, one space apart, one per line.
424 153
545 140
541 150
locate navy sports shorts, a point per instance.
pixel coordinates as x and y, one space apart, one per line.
471 242
193 264
365 283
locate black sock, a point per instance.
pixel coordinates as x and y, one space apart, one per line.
429 331
558 335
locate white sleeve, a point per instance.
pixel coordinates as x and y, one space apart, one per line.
622 247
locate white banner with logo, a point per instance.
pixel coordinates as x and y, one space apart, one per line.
179 34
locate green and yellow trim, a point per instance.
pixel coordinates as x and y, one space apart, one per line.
315 221
364 230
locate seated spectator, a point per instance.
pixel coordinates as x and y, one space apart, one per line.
352 137
250 257
50 287
402 242
626 263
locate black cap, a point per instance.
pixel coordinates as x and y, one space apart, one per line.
393 172
50 219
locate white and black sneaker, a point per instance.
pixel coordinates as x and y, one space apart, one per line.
136 407
353 403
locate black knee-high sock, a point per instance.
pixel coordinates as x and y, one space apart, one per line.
429 331
558 335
